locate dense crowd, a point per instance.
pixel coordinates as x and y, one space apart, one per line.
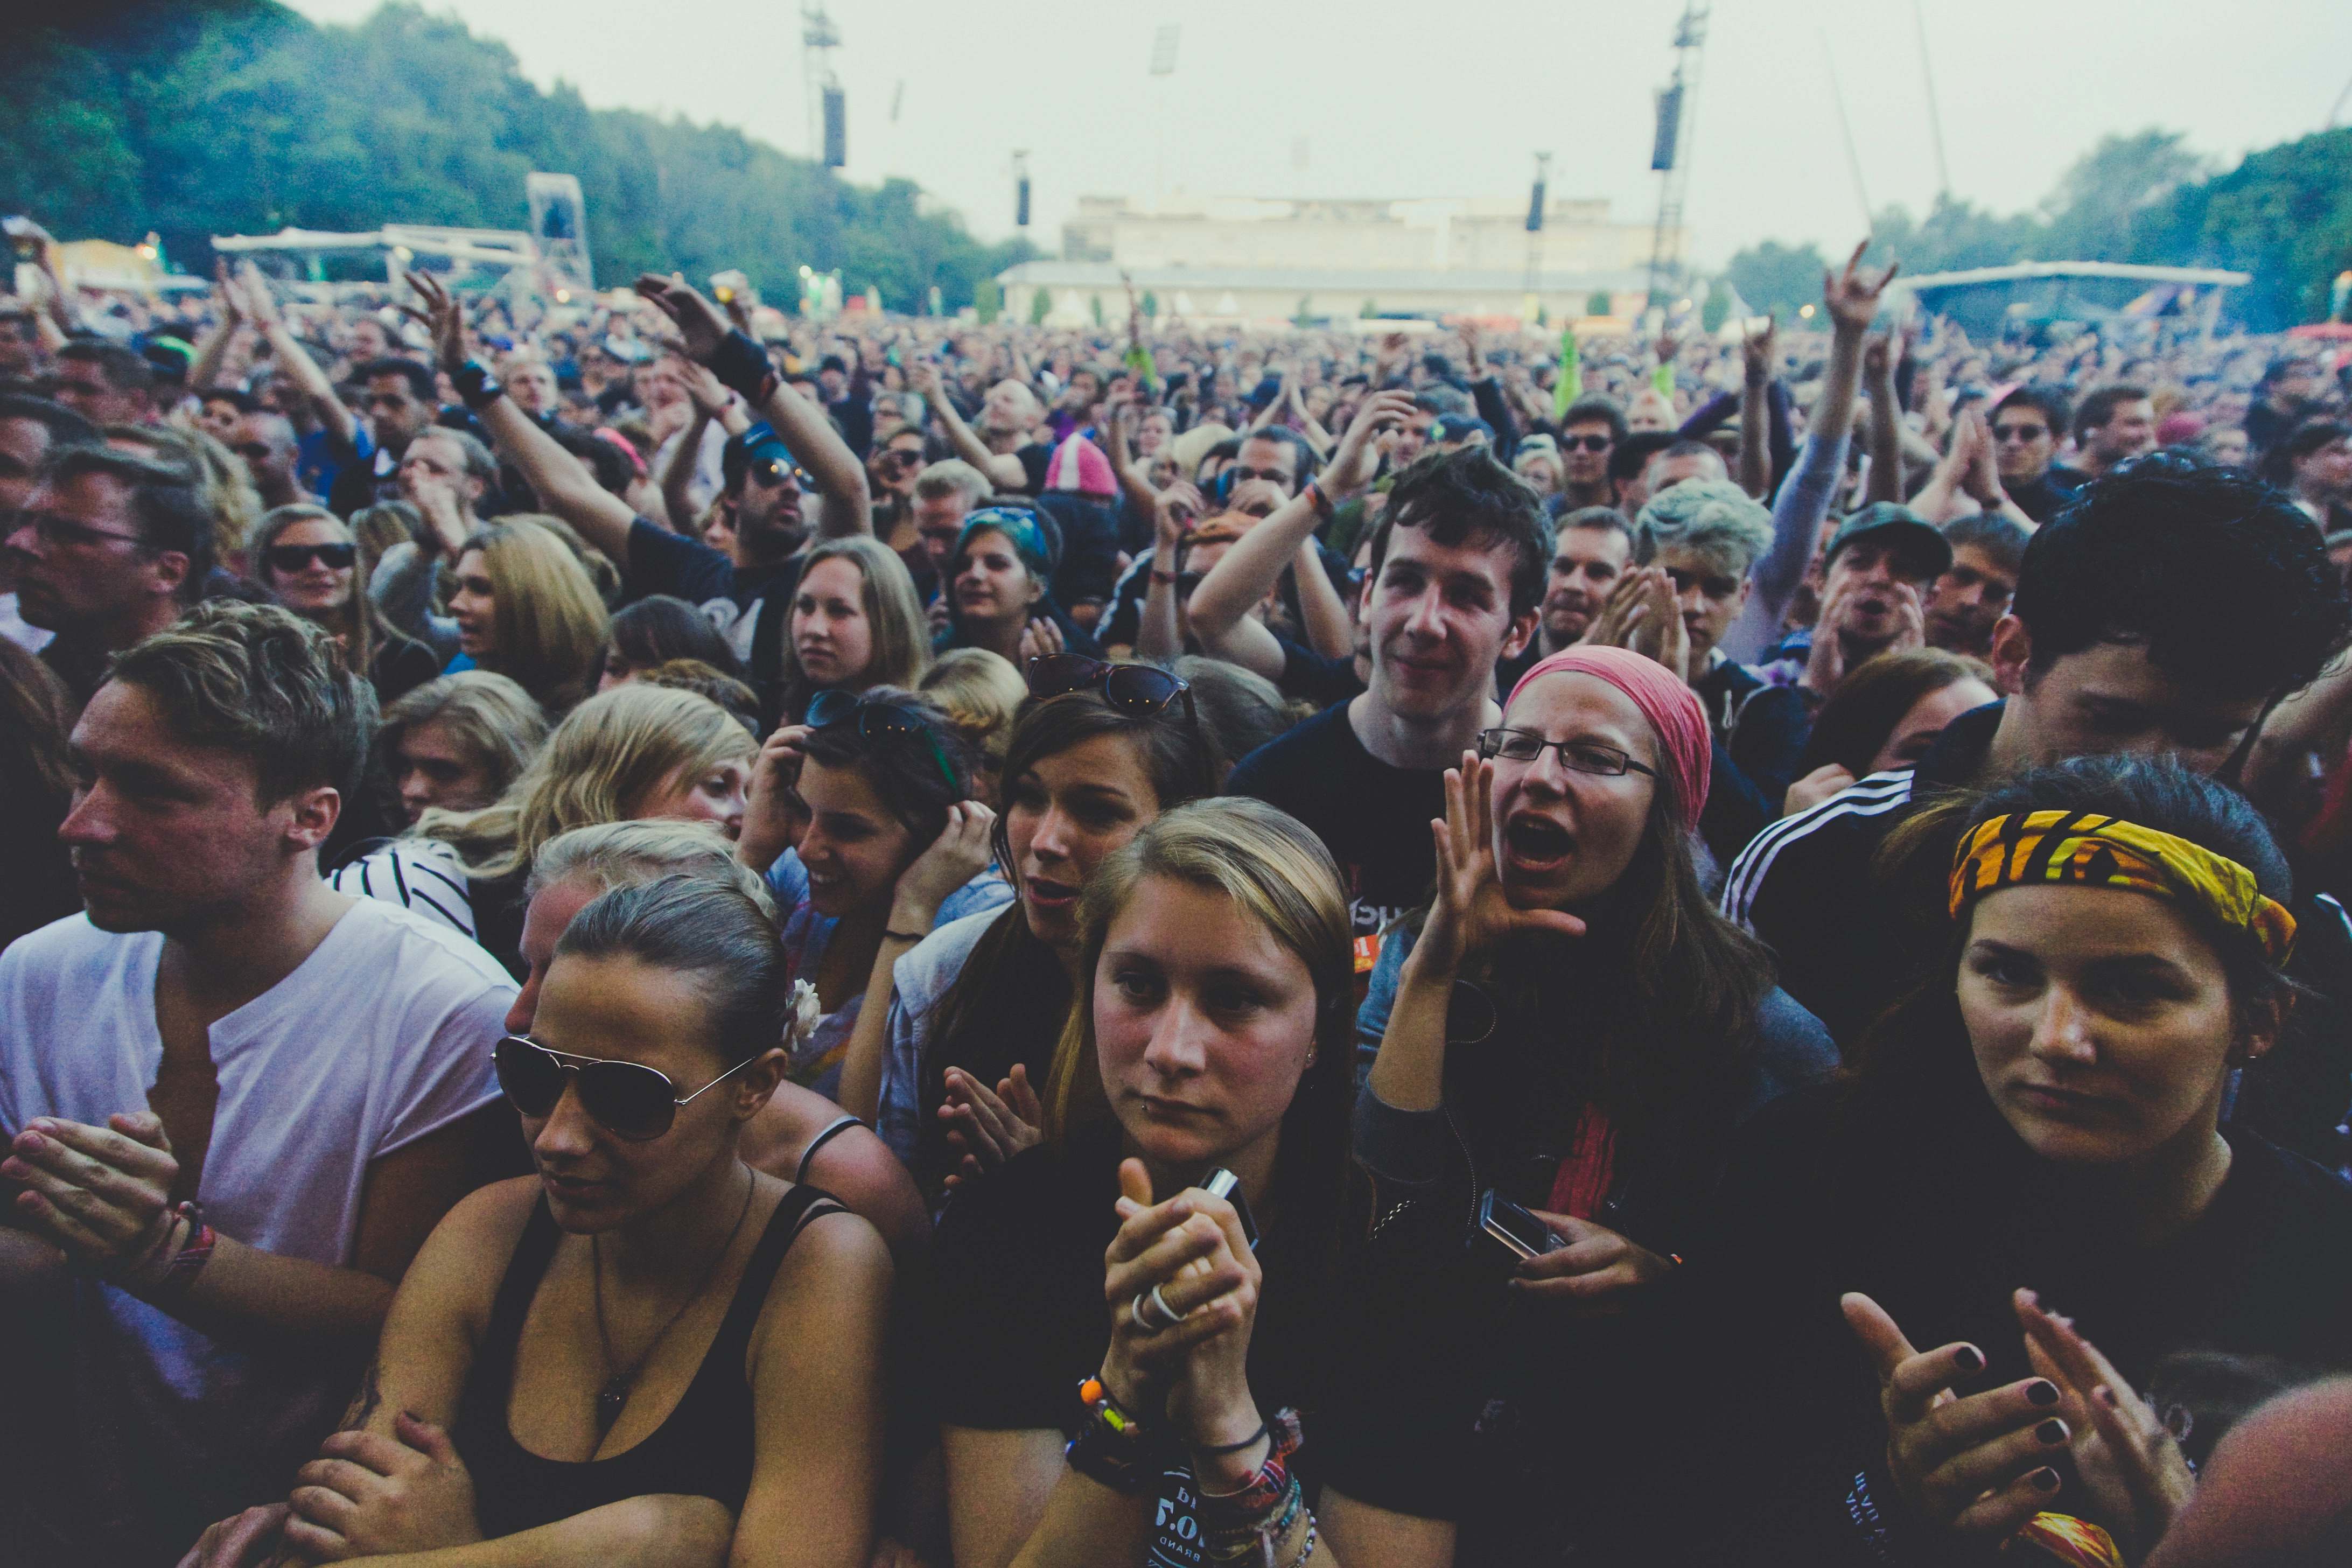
1171 944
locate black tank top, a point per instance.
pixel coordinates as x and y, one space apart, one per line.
702 1450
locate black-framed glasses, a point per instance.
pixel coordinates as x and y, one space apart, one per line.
876 721
628 1099
1586 443
1577 755
57 532
294 557
1143 690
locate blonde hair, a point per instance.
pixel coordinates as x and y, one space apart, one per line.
485 712
623 854
548 622
894 618
223 487
599 765
980 692
1275 870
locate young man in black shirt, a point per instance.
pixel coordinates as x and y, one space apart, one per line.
2164 614
1457 566
770 471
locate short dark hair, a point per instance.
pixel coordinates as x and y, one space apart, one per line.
2278 463
904 771
420 380
264 682
1466 496
164 498
2220 577
125 369
1302 456
238 398
659 627
1592 409
2046 401
2001 537
2100 407
1632 453
66 428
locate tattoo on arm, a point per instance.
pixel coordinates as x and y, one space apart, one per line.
364 1403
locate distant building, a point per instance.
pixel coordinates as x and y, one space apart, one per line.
1204 256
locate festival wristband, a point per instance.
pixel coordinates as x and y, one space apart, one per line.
1321 498
1110 1447
475 387
742 367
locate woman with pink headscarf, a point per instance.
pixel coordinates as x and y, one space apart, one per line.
1558 1048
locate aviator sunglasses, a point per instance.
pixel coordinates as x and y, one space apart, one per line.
878 720
628 1099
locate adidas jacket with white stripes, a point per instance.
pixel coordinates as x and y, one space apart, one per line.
1850 944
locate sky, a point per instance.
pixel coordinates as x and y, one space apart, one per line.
1386 99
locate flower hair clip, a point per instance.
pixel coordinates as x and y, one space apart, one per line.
802 1013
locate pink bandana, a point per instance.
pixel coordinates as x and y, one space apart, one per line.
1671 707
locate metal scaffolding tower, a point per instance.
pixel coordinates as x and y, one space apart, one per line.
819 38
1667 155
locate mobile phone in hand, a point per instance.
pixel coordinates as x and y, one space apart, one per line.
1508 1234
1223 1184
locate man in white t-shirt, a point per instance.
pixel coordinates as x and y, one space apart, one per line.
235 1099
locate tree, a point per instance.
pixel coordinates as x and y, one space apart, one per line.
2285 214
1599 304
2102 195
1040 306
988 301
1150 304
1776 276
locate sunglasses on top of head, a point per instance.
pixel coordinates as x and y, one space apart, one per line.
1141 689
628 1099
878 720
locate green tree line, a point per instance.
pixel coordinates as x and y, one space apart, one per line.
2284 214
240 117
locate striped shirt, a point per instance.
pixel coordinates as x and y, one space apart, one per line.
421 875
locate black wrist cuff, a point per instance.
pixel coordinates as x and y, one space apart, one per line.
742 367
476 386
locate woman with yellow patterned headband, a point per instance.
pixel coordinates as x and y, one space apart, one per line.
1942 1283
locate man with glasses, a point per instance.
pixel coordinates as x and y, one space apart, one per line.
219 1022
2026 428
1972 595
30 429
108 549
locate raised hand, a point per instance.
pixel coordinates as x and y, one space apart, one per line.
1355 461
230 298
1191 1250
372 1496
1173 513
774 815
697 320
987 1126
1853 296
1471 913
1654 625
2126 1457
1040 639
709 397
1760 351
1976 1464
961 852
441 316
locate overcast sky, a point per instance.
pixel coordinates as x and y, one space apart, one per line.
1386 98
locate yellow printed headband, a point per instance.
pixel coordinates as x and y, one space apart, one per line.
2092 851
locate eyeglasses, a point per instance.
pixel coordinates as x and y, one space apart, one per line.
1586 443
58 533
294 557
1577 756
772 471
628 1099
878 721
901 458
1141 689
2019 432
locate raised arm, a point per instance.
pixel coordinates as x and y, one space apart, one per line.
1004 469
1157 634
1132 482
1760 354
342 427
1885 481
960 853
1221 605
743 366
562 482
212 351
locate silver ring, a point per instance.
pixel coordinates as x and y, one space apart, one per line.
1169 1317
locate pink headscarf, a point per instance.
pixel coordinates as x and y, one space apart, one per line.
1671 707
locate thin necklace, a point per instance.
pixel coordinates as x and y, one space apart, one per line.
613 1397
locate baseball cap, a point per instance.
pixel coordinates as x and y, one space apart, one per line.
1461 428
758 443
1923 550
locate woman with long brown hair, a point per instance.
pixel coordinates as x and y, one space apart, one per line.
527 608
316 566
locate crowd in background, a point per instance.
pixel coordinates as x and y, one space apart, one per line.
1172 944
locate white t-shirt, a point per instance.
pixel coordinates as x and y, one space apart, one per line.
381 1035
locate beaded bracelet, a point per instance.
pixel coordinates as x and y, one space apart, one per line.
1111 1445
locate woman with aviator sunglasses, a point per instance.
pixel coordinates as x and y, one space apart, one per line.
887 841
308 558
649 1341
1570 1028
944 1070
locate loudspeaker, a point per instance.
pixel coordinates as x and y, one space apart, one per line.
836 129
1021 203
